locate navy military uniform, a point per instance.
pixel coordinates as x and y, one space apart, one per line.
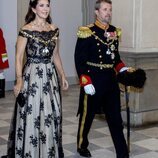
97 61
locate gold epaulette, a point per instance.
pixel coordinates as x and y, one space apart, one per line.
119 32
84 32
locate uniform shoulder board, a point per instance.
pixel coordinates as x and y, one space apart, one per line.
84 32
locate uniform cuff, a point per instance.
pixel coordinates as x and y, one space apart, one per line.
85 80
4 57
119 66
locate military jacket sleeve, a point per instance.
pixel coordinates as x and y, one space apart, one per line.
82 50
3 54
118 63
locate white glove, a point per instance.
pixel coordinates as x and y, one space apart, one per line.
123 69
89 89
129 69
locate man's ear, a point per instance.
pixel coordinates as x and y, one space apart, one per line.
96 12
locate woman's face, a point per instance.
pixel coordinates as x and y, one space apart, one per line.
42 9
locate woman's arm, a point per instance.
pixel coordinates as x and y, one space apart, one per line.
20 49
58 64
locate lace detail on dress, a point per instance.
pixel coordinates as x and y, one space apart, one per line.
40 45
36 129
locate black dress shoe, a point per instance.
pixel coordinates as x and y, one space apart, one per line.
126 156
84 152
4 156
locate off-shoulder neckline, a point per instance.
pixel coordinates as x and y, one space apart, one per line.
39 31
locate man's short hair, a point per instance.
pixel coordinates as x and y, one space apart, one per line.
98 2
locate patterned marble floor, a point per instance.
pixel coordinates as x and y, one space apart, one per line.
144 141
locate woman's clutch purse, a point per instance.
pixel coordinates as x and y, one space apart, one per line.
20 99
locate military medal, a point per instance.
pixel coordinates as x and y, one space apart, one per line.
112 47
112 56
106 34
108 52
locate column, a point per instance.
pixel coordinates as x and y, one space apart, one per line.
139 49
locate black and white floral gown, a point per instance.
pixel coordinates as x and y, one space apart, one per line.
36 127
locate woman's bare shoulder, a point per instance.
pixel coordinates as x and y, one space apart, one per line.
53 27
27 27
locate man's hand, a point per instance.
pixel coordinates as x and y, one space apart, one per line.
89 89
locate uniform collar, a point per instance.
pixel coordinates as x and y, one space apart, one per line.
101 25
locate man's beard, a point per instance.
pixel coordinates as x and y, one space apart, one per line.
107 20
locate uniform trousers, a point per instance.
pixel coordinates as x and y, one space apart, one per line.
109 101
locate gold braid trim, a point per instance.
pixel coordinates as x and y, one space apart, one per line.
25 34
84 32
82 126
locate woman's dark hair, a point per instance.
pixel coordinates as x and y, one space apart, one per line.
30 16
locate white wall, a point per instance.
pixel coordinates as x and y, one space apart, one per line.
149 35
139 22
8 22
123 17
67 15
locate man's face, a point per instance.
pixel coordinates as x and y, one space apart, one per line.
104 13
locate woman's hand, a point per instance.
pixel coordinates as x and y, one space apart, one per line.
18 87
64 83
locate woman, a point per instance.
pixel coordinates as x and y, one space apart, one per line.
37 131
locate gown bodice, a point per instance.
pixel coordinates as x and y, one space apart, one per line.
40 45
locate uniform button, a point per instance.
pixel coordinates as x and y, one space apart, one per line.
88 70
101 62
100 56
101 68
98 44
99 50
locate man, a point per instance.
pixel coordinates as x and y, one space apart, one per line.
97 60
3 64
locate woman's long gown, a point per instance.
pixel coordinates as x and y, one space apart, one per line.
36 127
